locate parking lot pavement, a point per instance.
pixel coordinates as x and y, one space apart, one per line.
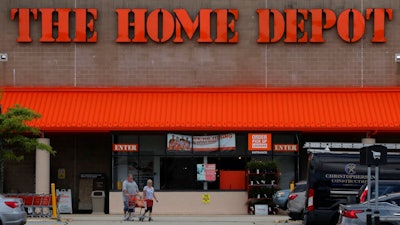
86 219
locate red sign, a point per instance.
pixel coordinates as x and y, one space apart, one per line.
260 142
161 25
286 148
210 172
125 147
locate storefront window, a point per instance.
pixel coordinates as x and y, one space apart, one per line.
148 157
179 173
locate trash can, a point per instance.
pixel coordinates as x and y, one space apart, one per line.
98 200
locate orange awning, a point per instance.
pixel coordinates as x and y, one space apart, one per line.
209 109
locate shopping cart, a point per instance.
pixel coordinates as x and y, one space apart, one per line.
135 202
36 205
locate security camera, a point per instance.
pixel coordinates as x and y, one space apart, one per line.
397 57
3 57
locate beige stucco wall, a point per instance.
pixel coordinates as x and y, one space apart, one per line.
191 203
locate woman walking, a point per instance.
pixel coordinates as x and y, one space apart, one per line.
149 195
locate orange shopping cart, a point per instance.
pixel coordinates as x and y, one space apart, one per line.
135 202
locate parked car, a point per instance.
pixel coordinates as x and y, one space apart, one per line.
280 198
334 178
388 207
12 211
385 187
296 201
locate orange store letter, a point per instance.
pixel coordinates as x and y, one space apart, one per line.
264 29
318 24
350 24
379 22
61 23
161 25
24 16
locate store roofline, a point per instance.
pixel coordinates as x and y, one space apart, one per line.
253 109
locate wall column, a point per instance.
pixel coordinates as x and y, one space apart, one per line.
42 172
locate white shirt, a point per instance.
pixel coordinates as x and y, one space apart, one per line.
149 192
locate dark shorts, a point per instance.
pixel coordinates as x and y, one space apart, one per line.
149 204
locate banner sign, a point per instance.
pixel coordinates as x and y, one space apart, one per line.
208 143
227 142
179 143
205 143
260 142
223 142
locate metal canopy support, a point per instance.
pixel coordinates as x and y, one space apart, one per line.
345 145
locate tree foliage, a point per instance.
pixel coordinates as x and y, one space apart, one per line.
16 136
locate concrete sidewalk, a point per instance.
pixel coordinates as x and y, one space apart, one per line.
181 218
99 219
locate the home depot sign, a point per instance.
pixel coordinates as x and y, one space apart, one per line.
161 25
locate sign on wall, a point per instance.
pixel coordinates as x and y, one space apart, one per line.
61 173
227 142
125 147
205 143
223 142
286 148
259 142
206 172
179 142
162 25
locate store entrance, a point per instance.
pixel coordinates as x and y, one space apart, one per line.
180 173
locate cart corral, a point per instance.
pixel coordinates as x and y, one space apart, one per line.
36 205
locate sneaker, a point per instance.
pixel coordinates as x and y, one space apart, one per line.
150 219
125 218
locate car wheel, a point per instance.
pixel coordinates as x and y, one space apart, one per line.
294 215
305 220
335 220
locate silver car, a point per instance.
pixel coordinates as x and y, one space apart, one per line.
388 207
280 198
296 201
12 211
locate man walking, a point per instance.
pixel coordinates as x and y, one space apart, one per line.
129 191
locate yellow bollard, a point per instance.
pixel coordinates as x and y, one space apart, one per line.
291 185
119 185
54 200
